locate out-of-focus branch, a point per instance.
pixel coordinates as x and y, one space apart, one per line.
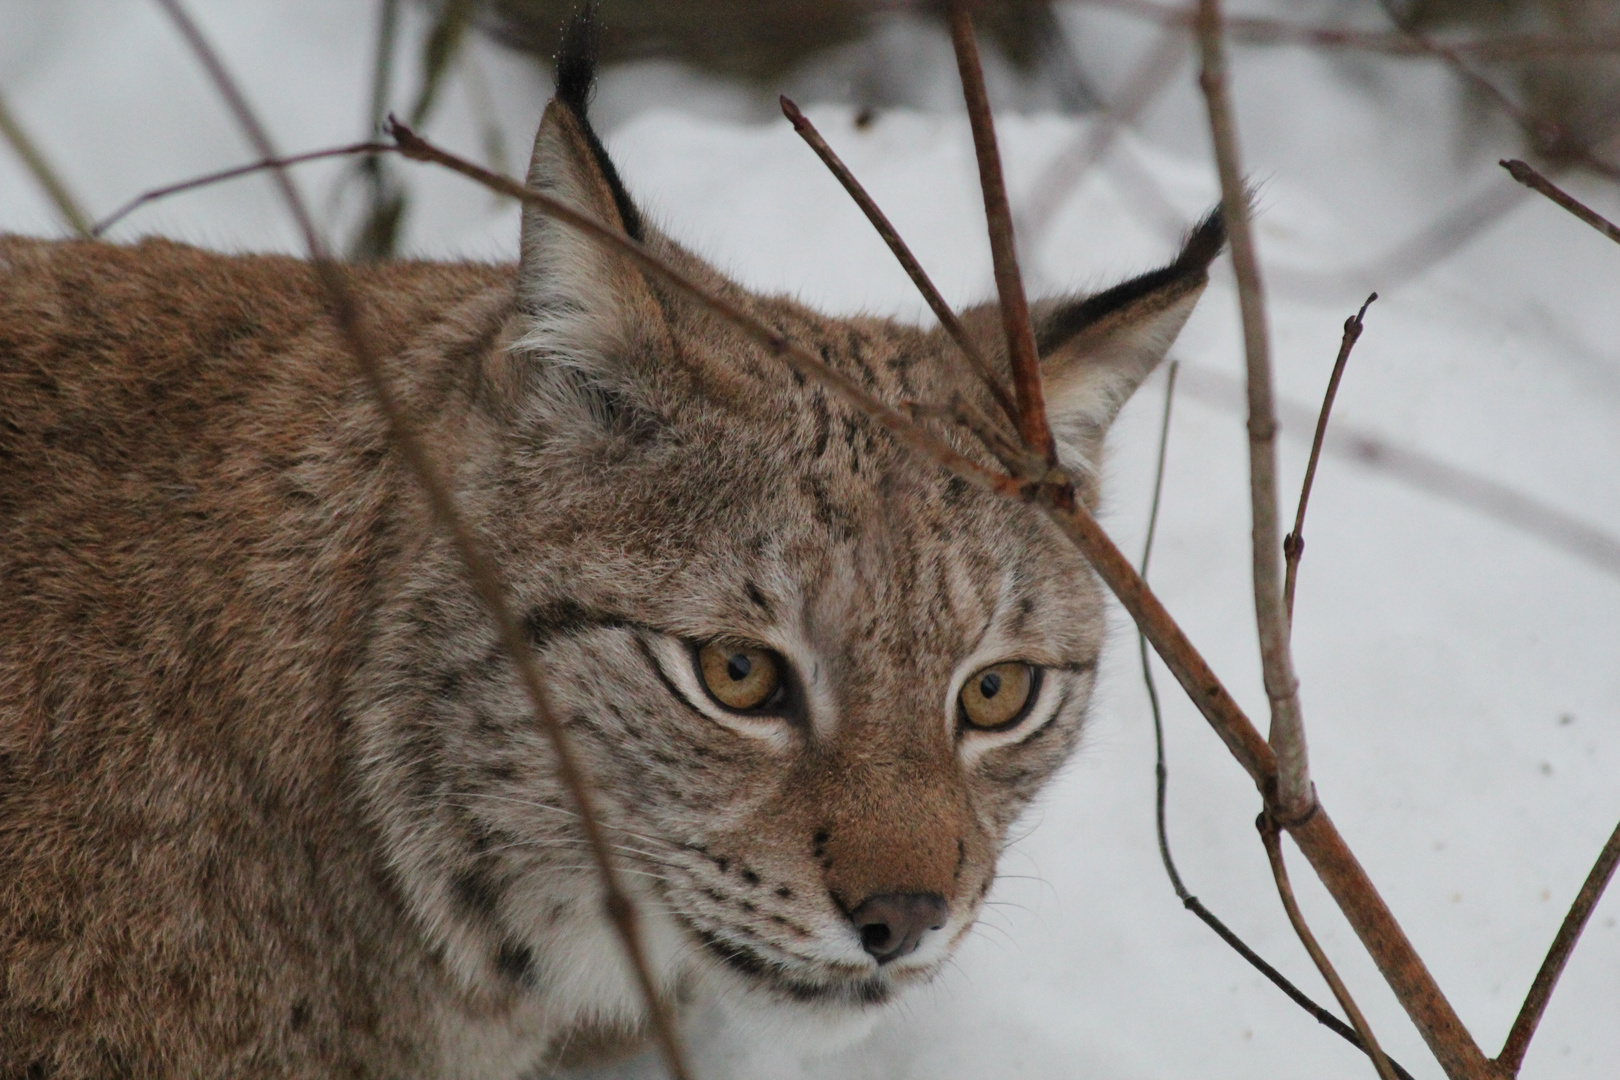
100 227
1535 1002
482 571
1015 320
1271 838
1530 178
44 175
1317 838
885 229
1549 137
1294 797
1252 30
1146 81
1294 542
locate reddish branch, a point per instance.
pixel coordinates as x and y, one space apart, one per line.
1549 137
908 262
1294 542
1317 838
1535 1002
1271 838
1530 178
482 571
1015 320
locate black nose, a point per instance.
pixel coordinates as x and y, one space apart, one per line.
892 925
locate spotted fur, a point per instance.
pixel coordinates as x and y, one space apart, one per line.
271 802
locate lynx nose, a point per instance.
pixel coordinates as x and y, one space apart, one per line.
892 925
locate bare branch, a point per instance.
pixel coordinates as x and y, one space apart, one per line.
1021 352
42 172
484 574
1317 838
919 277
100 227
797 356
1294 797
1530 178
1535 1002
1279 871
1294 542
1549 137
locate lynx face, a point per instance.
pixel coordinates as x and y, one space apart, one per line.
814 679
270 800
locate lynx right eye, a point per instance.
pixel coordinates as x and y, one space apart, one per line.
741 677
998 696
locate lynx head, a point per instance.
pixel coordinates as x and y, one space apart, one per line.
814 679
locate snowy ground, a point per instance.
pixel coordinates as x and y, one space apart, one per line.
1461 676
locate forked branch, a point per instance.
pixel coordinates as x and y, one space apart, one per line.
902 252
1317 837
1270 836
482 571
1015 320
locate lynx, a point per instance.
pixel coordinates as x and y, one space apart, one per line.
271 802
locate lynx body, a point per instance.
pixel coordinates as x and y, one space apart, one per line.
271 802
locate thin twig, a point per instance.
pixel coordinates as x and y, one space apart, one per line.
42 172
1294 542
1530 178
796 355
885 229
1270 836
1162 783
1535 1002
1317 837
483 572
1294 796
100 227
1015 320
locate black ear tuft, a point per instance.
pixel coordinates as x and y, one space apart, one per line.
576 82
1205 241
1202 245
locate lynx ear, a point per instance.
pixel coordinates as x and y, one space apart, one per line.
568 283
1097 350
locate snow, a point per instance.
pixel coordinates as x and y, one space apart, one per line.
1459 674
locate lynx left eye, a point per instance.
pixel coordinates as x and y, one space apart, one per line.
999 695
740 677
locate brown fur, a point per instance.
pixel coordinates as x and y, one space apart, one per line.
270 802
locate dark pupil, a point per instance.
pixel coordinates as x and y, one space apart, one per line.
738 667
990 685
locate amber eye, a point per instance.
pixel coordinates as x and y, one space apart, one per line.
996 696
740 676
